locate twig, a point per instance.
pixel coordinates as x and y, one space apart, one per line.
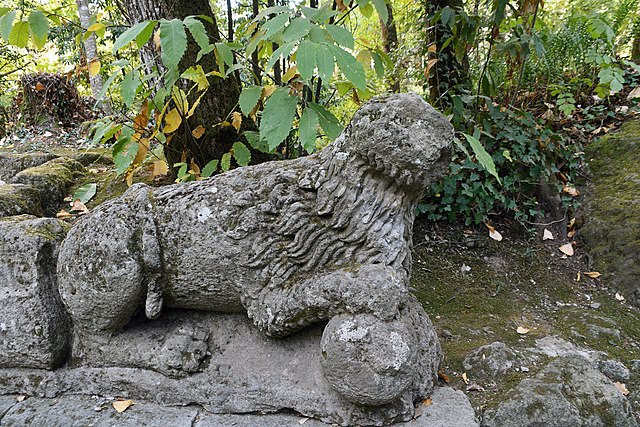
548 223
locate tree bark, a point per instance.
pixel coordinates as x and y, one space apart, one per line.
635 49
218 102
390 44
91 53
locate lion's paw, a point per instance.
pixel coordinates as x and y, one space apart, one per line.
367 360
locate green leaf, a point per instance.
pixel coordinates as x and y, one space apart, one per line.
318 35
283 50
19 35
366 10
39 24
352 69
174 42
140 32
341 35
329 123
124 151
4 10
378 65
249 97
297 29
381 7
306 59
324 58
275 24
241 153
277 117
107 84
225 163
483 157
85 193
308 127
6 24
225 53
253 138
271 11
209 168
129 86
197 30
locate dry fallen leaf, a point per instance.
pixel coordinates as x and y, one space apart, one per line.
593 274
427 402
21 398
443 376
578 278
464 378
634 93
79 207
122 405
198 131
160 168
63 214
522 330
236 120
570 191
567 249
474 387
493 233
621 388
547 235
571 234
40 87
619 297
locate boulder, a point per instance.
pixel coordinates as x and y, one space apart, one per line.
19 199
491 360
11 164
568 392
34 328
612 209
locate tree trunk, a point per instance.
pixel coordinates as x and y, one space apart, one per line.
91 53
390 44
215 106
635 49
448 72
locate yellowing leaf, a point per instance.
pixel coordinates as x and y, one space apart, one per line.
267 91
198 131
593 274
160 168
94 67
96 27
547 235
567 249
291 72
432 48
236 120
430 65
143 149
621 388
156 39
172 121
142 119
522 330
122 405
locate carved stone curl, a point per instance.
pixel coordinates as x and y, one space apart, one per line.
292 243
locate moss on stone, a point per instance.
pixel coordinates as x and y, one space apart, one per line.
18 200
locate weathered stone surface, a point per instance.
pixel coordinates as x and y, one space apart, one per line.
448 408
568 392
11 164
614 370
19 199
292 244
51 179
491 360
612 230
34 329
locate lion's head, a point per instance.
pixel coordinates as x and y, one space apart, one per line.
402 136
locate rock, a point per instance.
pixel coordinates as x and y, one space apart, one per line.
567 392
80 412
19 199
554 346
612 209
6 402
448 408
11 164
51 179
616 371
491 360
324 238
34 329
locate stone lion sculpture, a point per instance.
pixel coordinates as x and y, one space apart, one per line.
320 238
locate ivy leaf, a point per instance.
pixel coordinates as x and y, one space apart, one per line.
381 7
6 24
483 157
277 117
225 163
140 32
174 42
197 30
85 193
39 25
341 35
329 123
308 126
306 59
352 69
129 87
297 29
326 64
241 153
19 35
249 97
